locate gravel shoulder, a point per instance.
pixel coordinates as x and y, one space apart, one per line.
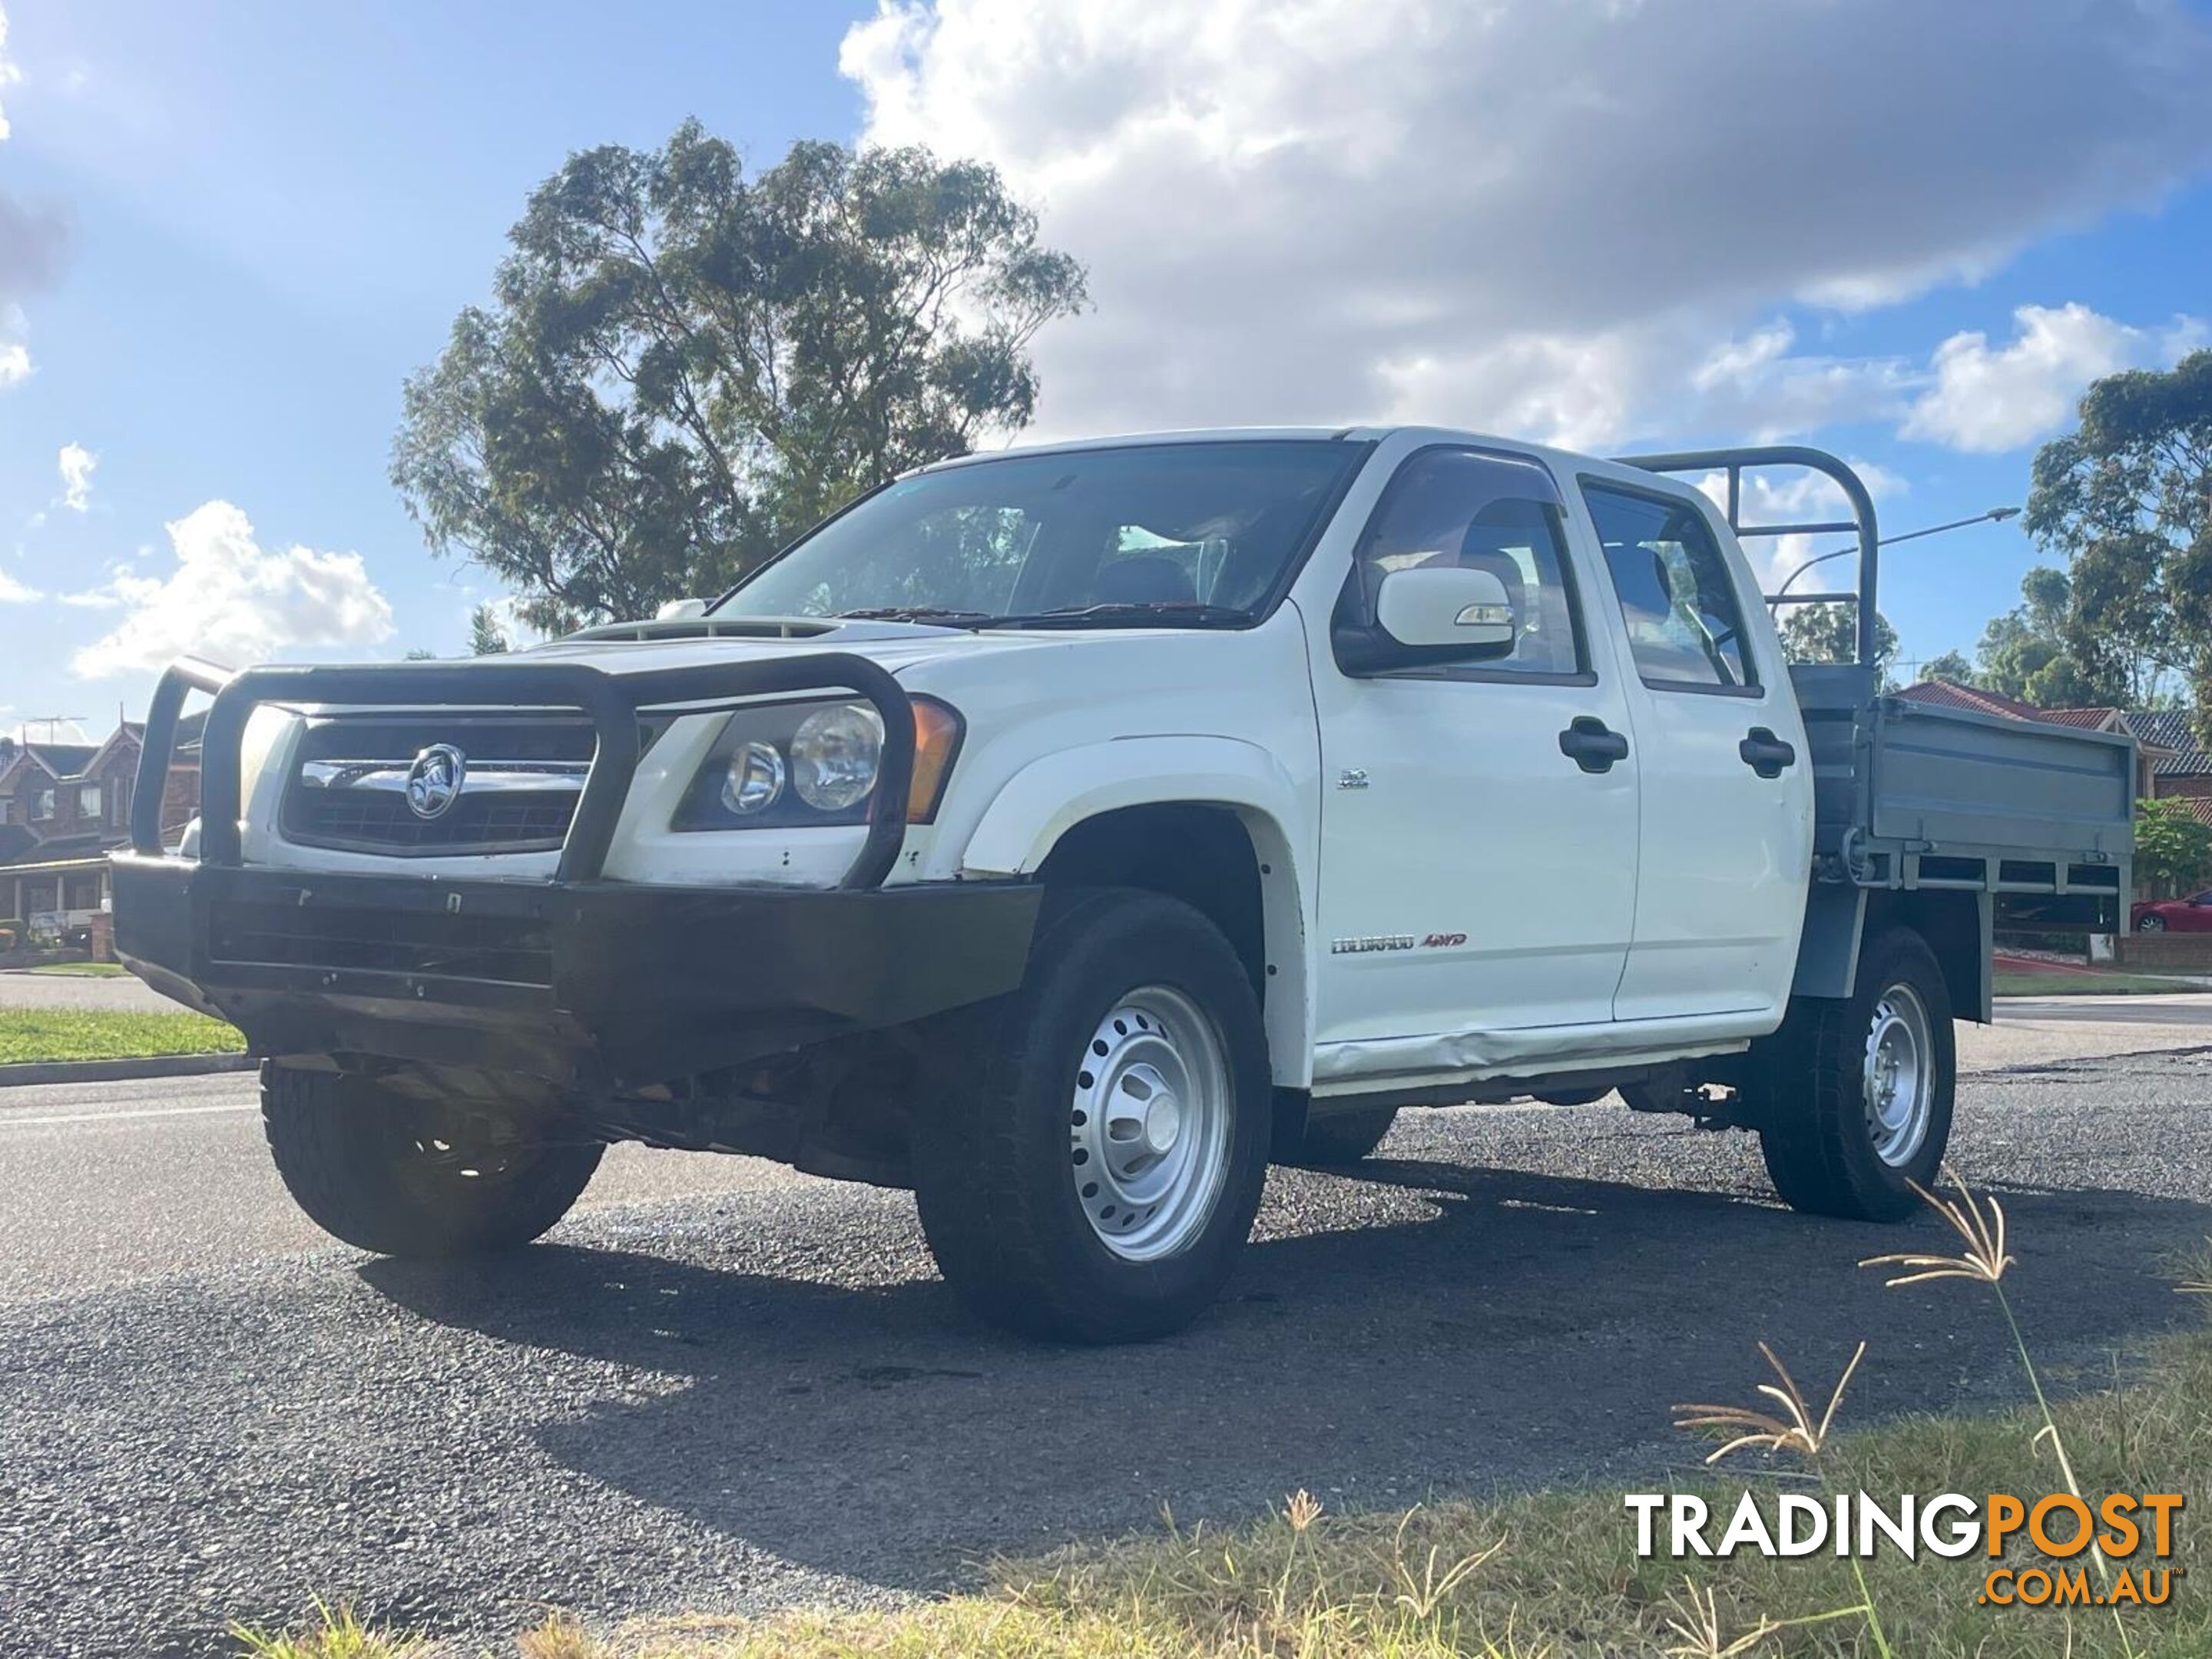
758 1396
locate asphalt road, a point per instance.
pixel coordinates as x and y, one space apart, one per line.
721 1386
83 993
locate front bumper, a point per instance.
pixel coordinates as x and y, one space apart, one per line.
589 985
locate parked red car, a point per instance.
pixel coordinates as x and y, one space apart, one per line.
2192 915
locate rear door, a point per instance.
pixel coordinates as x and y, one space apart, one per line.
1475 876
1725 842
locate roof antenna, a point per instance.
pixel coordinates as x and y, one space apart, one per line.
50 721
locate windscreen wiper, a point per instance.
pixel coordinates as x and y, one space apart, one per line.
918 613
1152 613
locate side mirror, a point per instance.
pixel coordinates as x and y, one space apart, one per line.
1423 618
1465 611
680 610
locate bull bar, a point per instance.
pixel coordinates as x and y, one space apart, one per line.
584 981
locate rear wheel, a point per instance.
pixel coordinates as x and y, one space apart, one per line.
2151 923
405 1178
1860 1095
1340 1137
1089 1150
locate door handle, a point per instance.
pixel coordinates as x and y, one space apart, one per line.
1765 753
1591 746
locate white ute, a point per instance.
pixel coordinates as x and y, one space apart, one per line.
1066 833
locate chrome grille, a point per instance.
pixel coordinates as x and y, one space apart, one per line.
524 775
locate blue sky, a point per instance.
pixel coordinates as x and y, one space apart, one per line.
227 231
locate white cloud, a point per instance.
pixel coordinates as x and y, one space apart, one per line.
1988 399
1531 213
49 731
1798 495
33 240
10 74
77 464
13 592
229 600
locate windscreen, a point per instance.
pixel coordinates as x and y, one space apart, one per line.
1151 529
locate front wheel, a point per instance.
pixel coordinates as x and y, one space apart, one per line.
1860 1097
1089 1151
403 1178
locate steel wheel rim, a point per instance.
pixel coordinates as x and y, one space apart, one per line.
1148 1125
440 1156
1900 1077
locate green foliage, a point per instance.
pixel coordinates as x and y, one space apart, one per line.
683 367
2025 652
1830 633
1952 666
2173 849
2128 498
485 639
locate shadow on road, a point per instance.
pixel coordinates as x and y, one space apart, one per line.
1483 1327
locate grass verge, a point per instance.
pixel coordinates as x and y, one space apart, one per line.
82 970
2084 985
34 1036
1551 1574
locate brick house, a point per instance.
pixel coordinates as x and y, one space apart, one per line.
63 807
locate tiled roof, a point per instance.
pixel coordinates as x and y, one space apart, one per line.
2173 731
1945 695
2089 720
64 760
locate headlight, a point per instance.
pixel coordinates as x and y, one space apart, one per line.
810 764
754 780
834 755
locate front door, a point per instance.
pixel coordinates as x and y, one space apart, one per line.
1479 818
1727 822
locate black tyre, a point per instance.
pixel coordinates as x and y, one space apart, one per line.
1340 1137
389 1175
1858 1095
2152 923
1088 1152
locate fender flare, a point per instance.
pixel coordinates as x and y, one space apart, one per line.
1051 795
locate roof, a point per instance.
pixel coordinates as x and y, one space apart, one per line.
64 760
1945 695
2089 720
1227 434
2173 730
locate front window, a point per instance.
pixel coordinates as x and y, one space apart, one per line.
1154 532
1457 507
87 801
42 807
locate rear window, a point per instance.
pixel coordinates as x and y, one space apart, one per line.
1677 595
